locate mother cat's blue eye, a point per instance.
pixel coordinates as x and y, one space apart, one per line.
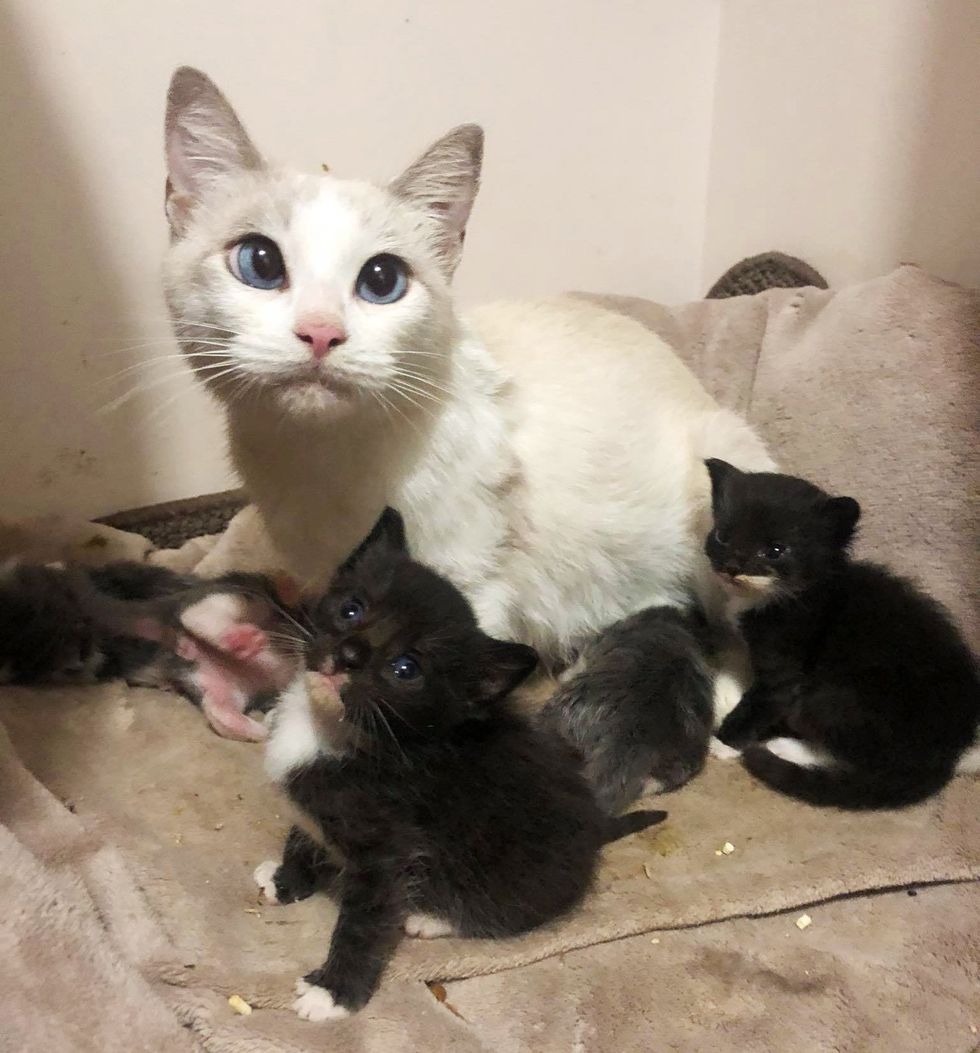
257 261
406 668
383 279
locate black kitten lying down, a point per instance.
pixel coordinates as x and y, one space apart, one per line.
638 705
145 624
431 804
865 695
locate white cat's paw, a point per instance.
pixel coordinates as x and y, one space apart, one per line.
651 787
264 876
722 750
316 1004
427 927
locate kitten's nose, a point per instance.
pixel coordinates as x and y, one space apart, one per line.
323 335
351 656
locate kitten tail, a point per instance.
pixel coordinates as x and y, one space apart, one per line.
630 823
843 787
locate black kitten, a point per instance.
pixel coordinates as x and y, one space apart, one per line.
865 695
638 705
446 811
142 623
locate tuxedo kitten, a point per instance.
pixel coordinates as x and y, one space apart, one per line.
865 694
430 803
638 705
145 624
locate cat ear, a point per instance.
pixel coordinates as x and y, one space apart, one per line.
444 182
843 512
204 141
721 472
504 666
387 534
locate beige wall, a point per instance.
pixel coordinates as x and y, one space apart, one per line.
638 146
848 132
598 122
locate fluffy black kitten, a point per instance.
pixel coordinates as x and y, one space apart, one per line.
445 810
638 705
865 695
143 623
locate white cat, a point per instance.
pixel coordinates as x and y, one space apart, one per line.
547 456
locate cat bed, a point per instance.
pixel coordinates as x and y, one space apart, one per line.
129 831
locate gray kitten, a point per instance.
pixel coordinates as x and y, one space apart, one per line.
638 705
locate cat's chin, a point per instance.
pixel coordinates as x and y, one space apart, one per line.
313 400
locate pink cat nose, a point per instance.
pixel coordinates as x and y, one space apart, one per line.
322 337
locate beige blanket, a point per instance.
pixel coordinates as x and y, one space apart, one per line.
129 834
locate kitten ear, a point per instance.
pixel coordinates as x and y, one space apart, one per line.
504 666
443 182
387 534
721 472
204 141
843 512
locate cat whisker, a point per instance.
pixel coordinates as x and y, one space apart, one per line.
376 710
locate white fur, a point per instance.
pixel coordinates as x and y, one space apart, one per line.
969 763
427 927
799 753
722 750
293 740
547 456
213 616
263 877
316 1004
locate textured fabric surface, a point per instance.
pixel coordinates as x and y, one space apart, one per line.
768 270
129 832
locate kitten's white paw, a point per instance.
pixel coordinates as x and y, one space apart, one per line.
317 1004
722 750
728 690
427 927
651 786
209 619
263 876
969 763
797 752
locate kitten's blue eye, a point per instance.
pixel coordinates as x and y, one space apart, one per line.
775 550
351 612
257 261
383 279
406 668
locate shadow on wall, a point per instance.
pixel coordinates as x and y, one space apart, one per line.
62 303
943 217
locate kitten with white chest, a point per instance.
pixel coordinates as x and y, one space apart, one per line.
865 694
547 456
432 807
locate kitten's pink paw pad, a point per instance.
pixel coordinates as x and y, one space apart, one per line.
316 1004
244 641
